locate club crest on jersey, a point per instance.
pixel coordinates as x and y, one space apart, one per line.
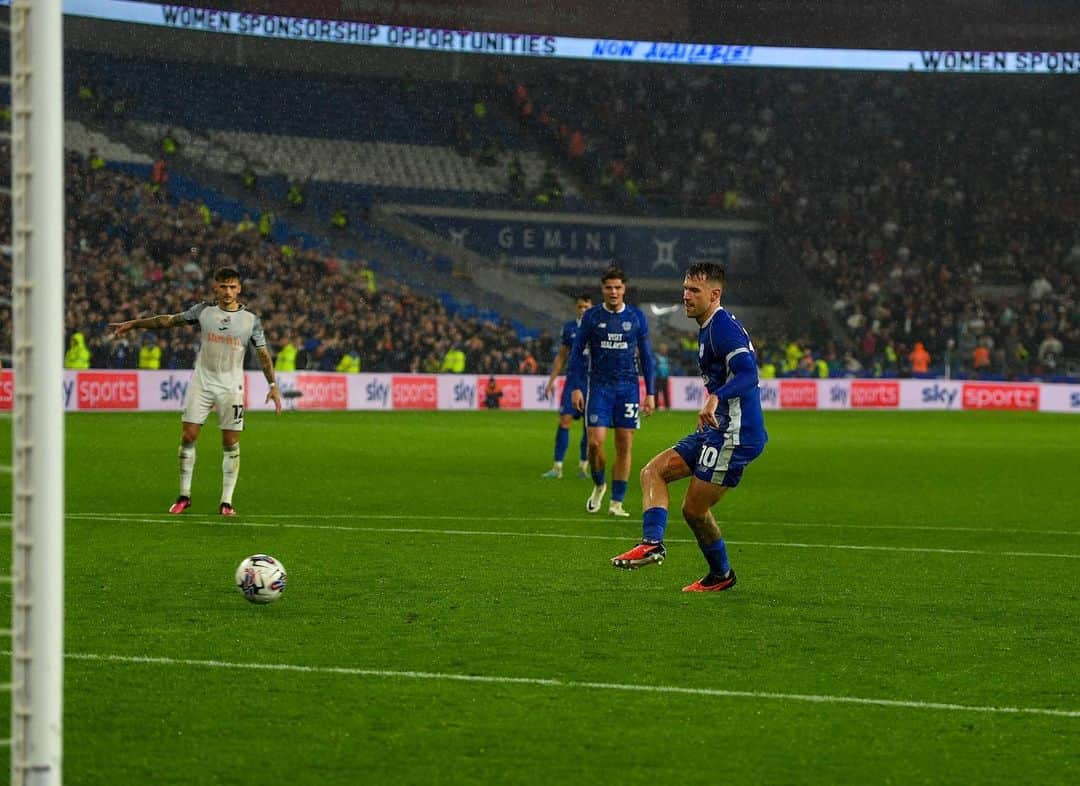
627 325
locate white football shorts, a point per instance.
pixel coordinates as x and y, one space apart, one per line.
202 400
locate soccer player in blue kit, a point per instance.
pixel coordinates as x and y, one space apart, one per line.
730 434
610 349
567 412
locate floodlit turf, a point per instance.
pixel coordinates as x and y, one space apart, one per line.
907 608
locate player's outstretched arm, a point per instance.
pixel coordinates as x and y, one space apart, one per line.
147 323
267 364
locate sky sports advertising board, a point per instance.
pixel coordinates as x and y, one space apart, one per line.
334 31
164 391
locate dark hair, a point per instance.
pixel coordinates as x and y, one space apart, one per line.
710 271
613 272
583 296
226 274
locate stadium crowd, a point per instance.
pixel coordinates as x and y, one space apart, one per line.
934 210
133 251
939 216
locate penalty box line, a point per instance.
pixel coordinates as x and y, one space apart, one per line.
574 684
173 520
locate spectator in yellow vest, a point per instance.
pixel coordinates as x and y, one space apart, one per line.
294 198
150 356
350 362
266 223
245 224
78 355
286 358
454 361
368 275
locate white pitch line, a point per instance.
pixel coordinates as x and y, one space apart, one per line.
567 520
575 684
560 536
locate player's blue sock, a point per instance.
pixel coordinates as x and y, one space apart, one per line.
562 442
584 444
618 490
716 554
654 522
598 477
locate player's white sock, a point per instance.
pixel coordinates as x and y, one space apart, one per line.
186 456
230 471
557 466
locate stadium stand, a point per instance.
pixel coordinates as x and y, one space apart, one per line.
908 221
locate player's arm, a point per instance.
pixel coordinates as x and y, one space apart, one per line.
575 371
742 378
556 368
648 370
267 365
148 323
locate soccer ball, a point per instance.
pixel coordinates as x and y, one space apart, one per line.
261 578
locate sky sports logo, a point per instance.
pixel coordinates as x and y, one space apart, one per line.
798 394
322 391
415 393
105 390
875 394
1024 397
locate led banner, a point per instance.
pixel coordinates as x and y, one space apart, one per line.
157 391
294 28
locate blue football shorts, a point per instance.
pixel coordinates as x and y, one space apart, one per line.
613 405
566 407
714 459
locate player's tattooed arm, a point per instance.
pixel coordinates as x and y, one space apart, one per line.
144 323
266 363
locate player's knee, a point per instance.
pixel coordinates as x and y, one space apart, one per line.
653 472
693 513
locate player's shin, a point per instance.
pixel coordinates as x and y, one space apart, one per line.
186 457
230 471
562 442
653 524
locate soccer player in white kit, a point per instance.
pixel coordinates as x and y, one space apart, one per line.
217 384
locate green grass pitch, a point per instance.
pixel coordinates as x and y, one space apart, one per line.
908 609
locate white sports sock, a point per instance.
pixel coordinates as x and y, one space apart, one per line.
230 471
186 456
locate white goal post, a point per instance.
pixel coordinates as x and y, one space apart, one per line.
37 250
